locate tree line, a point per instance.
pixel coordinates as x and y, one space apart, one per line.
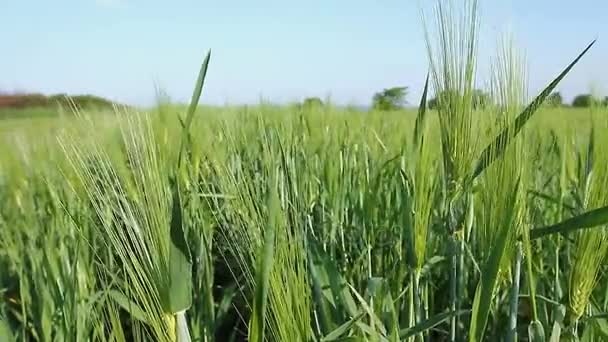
33 100
395 98
580 101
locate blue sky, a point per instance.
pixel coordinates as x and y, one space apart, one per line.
279 50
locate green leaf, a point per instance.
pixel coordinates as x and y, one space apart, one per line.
372 334
334 286
178 296
196 95
489 278
419 126
589 219
601 326
597 321
265 260
408 220
536 332
128 305
341 330
378 326
603 315
179 292
5 332
429 323
320 282
198 89
46 316
430 264
224 304
498 146
374 286
556 332
551 199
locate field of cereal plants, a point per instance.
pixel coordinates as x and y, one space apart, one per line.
276 223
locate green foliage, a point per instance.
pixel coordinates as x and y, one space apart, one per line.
429 324
264 267
498 146
5 332
84 102
24 101
480 99
390 99
584 101
591 219
311 103
329 193
440 100
38 105
555 100
270 223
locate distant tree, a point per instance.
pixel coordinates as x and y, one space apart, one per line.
584 100
390 99
433 103
42 101
554 100
605 102
440 99
480 99
312 102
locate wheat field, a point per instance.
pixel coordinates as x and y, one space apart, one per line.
286 223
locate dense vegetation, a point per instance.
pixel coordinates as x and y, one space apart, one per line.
38 105
312 223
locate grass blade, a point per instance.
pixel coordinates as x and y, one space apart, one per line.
556 331
341 330
179 296
484 293
5 332
128 305
536 332
498 146
198 89
551 199
336 289
264 267
431 264
589 219
225 303
597 316
429 323
320 281
196 95
419 127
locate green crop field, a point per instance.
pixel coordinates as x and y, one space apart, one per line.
312 223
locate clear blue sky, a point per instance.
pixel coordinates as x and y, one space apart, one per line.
281 50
